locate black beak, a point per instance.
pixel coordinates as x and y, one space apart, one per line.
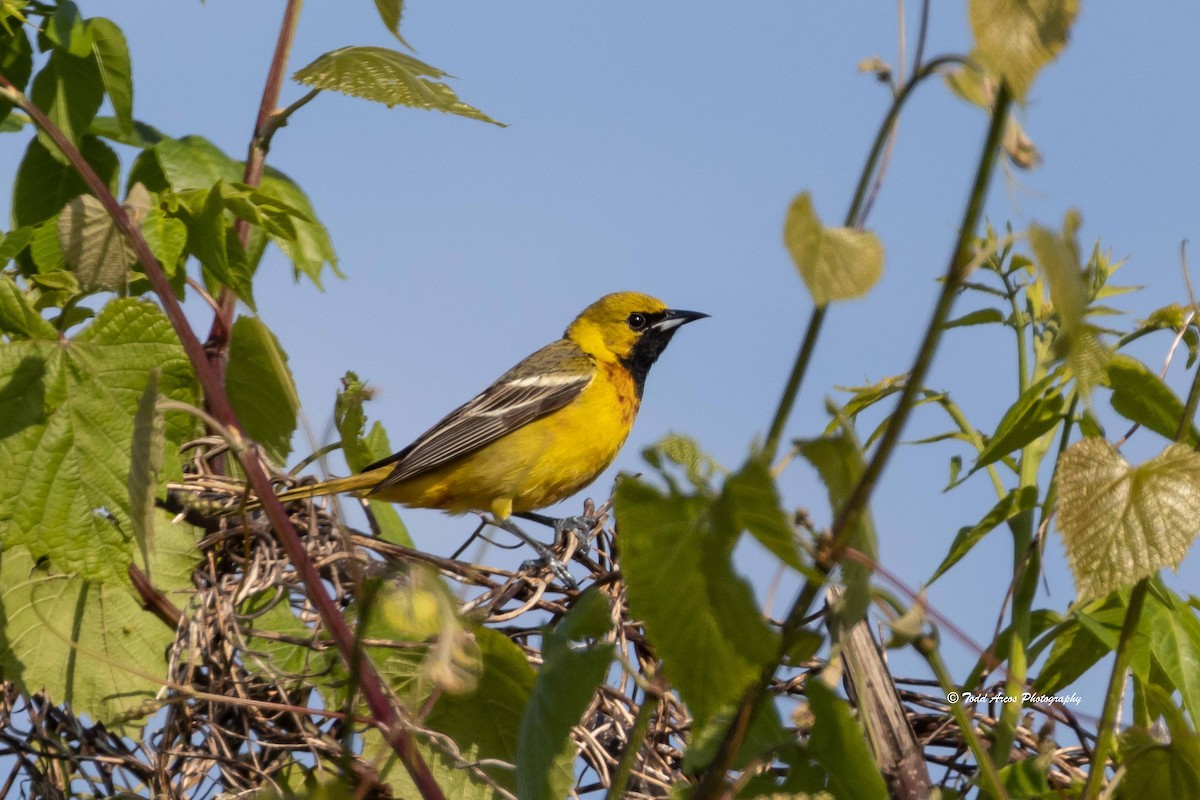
673 318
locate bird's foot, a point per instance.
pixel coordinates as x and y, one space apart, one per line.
579 527
545 558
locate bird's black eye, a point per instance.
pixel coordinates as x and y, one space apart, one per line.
636 321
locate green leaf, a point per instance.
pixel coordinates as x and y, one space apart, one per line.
836 741
146 466
17 317
112 55
1016 38
835 263
88 642
14 242
1121 523
1038 410
261 388
1074 652
141 136
1175 645
487 721
167 238
682 451
984 316
67 30
16 61
44 185
361 451
388 77
1157 767
1141 396
47 254
839 461
66 433
391 11
191 162
70 91
1012 504
677 561
215 244
564 688
752 500
311 248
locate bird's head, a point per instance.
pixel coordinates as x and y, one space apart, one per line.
628 327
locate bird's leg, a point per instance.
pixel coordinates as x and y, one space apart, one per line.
544 555
580 527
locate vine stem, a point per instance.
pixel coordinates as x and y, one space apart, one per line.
222 325
1105 733
855 217
385 715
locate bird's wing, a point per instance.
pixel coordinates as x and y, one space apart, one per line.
544 382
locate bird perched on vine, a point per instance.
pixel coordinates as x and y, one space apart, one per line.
543 431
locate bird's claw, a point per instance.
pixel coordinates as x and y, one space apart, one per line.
558 568
579 527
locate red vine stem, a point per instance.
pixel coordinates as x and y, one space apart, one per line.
385 715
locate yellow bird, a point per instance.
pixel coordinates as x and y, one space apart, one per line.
543 431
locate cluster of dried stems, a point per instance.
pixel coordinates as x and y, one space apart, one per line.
229 719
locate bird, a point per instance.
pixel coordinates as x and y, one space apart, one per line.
541 432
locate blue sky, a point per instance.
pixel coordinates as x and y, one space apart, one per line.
656 147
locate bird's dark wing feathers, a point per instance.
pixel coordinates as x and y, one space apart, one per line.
508 404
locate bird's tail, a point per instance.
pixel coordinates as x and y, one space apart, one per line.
358 484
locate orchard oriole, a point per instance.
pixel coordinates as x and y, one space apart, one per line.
544 430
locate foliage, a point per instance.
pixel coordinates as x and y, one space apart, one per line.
141 593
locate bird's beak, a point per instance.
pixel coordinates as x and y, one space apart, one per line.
673 318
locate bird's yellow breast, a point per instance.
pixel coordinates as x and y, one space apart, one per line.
536 465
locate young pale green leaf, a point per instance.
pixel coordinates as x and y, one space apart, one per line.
1141 396
93 246
683 451
1058 260
391 12
146 466
564 688
1039 409
66 433
984 316
835 263
1121 523
311 248
836 741
87 640
44 185
677 561
1012 504
45 250
1016 38
839 461
112 55
16 61
17 317
362 450
388 77
70 91
261 387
